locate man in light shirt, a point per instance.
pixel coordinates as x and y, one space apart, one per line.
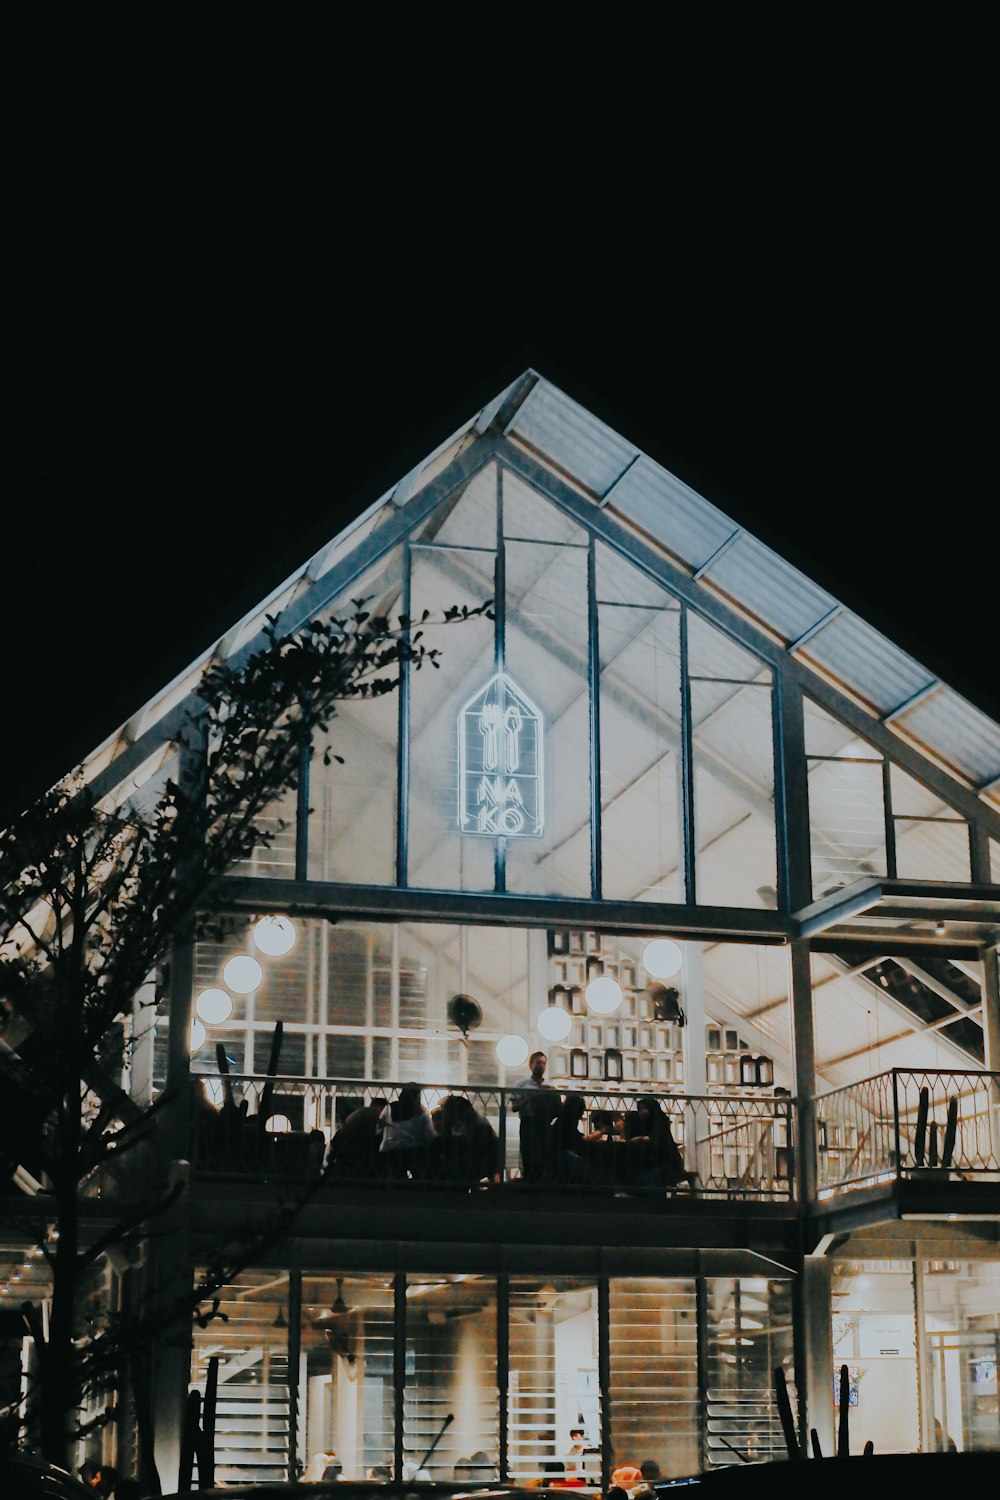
538 1106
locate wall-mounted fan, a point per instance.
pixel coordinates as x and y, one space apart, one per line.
465 1013
666 1003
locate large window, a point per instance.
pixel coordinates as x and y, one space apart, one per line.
466 1378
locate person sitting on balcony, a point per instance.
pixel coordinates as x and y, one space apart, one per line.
656 1160
466 1149
569 1142
354 1150
407 1131
538 1106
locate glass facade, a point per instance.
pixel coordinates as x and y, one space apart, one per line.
470 1378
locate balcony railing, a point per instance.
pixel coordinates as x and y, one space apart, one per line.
728 1145
924 1126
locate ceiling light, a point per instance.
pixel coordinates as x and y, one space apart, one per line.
198 1035
214 1006
512 1050
274 935
604 995
554 1023
243 974
662 958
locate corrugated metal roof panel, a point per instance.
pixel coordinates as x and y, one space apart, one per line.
870 665
572 438
770 588
958 732
685 523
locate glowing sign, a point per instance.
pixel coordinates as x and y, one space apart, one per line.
501 790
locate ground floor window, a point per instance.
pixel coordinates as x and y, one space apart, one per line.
471 1378
921 1340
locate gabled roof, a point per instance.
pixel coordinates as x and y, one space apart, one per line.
720 561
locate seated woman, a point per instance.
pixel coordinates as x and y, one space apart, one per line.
569 1142
466 1150
407 1132
654 1159
354 1150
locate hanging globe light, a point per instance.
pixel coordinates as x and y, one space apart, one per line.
512 1050
604 995
277 1124
662 958
274 935
554 1023
214 1006
243 974
198 1035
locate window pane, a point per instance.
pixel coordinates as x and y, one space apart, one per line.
547 658
733 755
347 1344
846 822
553 1378
439 856
451 1365
641 839
653 1345
748 1336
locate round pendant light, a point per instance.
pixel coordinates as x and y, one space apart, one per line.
662 958
214 1006
243 974
604 995
198 1035
512 1050
274 935
554 1023
277 1124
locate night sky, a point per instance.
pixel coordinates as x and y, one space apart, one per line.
256 277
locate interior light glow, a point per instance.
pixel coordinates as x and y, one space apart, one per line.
278 1124
512 1050
243 974
604 995
554 1023
662 958
214 1006
198 1035
274 935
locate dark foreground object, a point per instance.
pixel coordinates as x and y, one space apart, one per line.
856 1478
25 1478
382 1490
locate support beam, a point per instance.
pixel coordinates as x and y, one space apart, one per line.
804 1054
817 1338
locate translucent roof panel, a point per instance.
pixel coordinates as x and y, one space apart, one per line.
572 438
866 662
687 525
774 591
951 726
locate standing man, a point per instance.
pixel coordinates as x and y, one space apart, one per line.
538 1106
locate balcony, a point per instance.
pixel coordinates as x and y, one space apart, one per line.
930 1129
497 1141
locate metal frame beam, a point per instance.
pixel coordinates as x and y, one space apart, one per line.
331 900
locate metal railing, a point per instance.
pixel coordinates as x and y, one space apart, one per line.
919 1125
724 1145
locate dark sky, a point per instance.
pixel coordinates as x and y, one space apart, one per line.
256 276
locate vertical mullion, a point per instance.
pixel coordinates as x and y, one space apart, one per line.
687 768
503 1369
294 1354
791 793
403 761
593 686
398 1369
500 658
604 1373
890 822
701 1329
302 810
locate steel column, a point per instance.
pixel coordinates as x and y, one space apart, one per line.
804 1056
687 769
594 684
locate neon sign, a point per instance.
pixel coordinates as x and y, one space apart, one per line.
501 787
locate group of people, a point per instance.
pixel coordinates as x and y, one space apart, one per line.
632 1148
402 1139
455 1144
